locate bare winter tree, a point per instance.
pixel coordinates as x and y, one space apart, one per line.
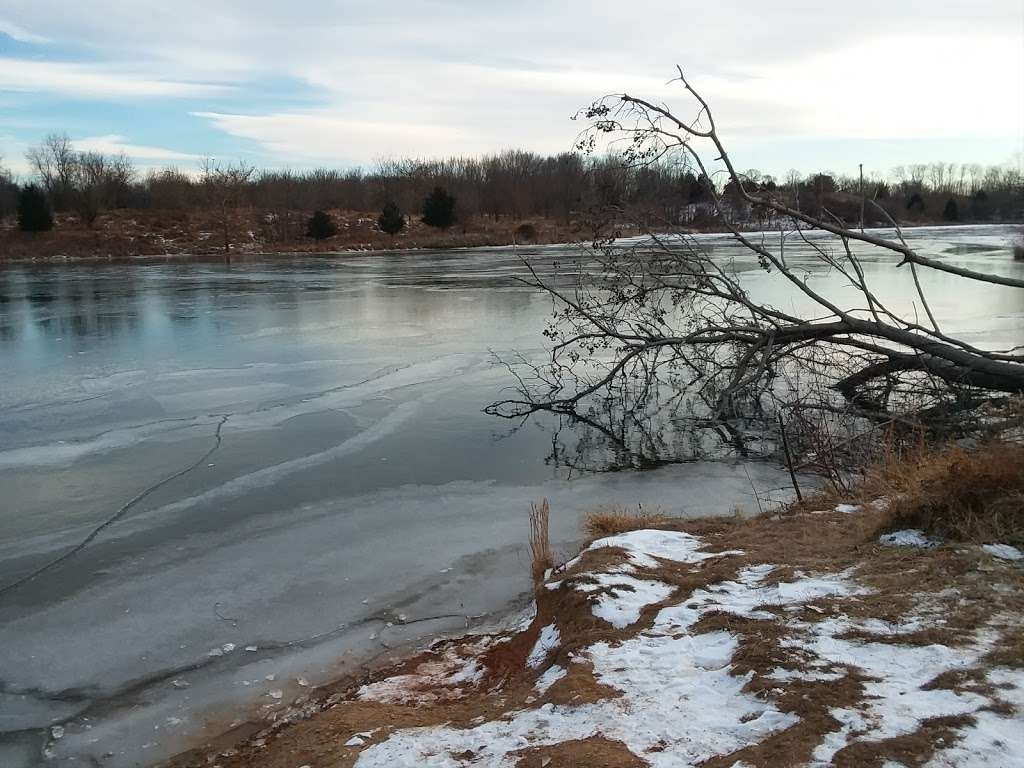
223 186
55 163
99 182
645 332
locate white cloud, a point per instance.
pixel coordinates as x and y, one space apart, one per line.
462 76
92 81
328 137
114 144
12 155
15 32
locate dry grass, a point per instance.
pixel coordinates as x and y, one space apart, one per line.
975 496
540 546
614 520
951 492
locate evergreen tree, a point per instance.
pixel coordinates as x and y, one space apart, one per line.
916 202
391 219
980 207
439 209
34 214
952 211
321 226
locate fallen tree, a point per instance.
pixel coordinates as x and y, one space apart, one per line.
647 330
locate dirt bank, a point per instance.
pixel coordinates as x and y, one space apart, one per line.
138 233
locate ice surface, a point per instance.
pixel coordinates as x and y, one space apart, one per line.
355 464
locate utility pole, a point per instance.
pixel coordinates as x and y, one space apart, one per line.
862 198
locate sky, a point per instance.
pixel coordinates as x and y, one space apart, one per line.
798 84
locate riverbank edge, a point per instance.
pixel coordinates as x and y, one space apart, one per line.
321 249
842 569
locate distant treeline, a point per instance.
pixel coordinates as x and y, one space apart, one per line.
515 183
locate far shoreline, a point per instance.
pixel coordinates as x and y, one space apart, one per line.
470 241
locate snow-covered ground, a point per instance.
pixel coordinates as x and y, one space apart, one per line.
681 700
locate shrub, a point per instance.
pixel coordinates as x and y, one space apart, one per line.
34 213
439 209
980 206
952 211
321 226
526 233
916 202
954 493
391 219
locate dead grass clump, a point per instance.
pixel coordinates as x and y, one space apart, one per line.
615 520
540 546
957 494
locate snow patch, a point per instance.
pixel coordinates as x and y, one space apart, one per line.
895 701
551 676
441 679
642 547
678 697
547 641
623 597
748 595
1003 551
912 537
993 739
680 702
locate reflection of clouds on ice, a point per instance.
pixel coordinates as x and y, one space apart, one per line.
217 397
268 476
68 452
341 397
348 396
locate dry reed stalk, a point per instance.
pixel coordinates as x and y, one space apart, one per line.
540 546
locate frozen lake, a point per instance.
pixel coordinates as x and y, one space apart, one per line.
291 455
